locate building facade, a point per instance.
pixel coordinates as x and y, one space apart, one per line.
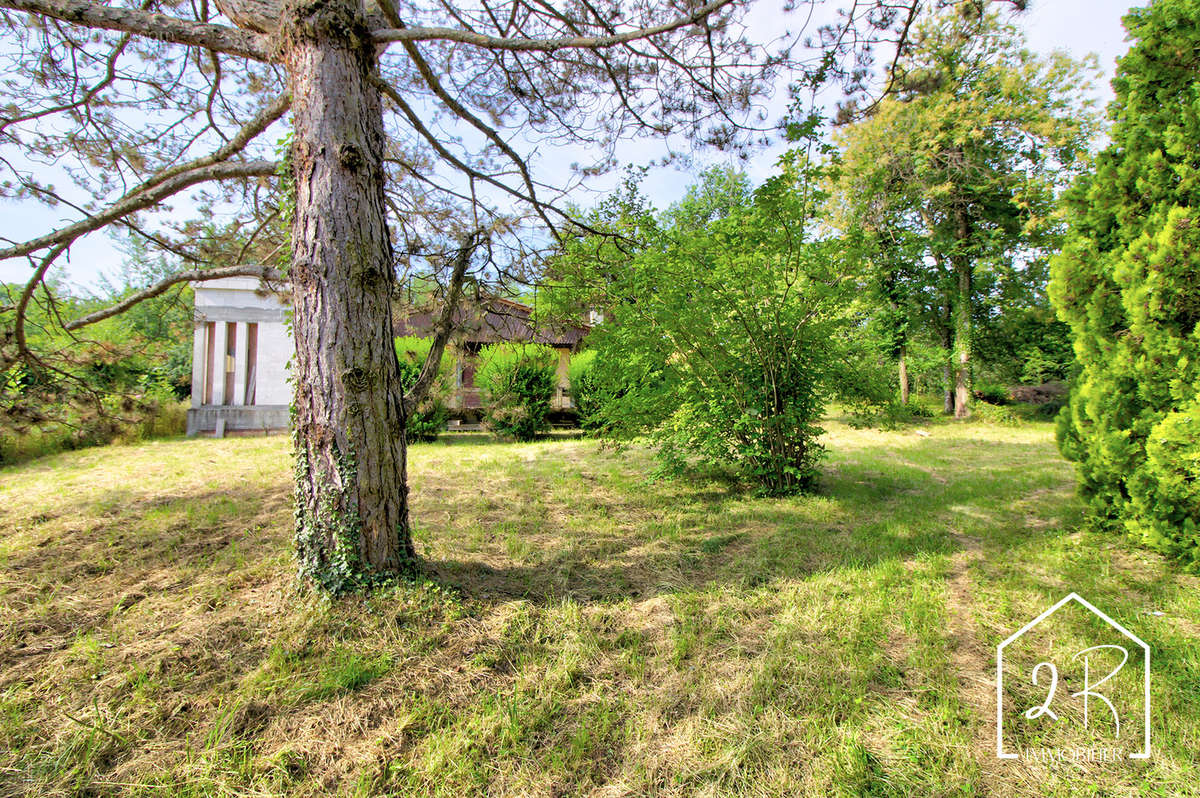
241 352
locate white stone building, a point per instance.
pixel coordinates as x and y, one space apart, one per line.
241 359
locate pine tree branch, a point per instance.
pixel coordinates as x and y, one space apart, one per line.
543 45
142 198
445 323
219 38
189 276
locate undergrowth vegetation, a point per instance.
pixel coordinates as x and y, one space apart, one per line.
429 419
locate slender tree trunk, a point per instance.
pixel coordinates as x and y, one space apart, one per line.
903 374
948 379
962 343
947 369
945 313
351 491
962 318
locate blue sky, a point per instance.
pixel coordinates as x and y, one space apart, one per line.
1077 26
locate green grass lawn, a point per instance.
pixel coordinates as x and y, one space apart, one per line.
584 629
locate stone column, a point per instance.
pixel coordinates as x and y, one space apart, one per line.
199 362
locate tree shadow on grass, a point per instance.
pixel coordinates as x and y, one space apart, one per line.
126 536
91 561
919 500
485 438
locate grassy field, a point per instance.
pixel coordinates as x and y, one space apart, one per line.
584 630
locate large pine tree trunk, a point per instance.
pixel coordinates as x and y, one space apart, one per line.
351 492
903 366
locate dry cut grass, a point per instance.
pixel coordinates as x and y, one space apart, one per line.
583 630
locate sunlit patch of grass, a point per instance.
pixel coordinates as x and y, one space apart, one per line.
581 628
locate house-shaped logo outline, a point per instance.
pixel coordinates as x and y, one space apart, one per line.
1000 752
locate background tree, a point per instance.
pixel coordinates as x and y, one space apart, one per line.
889 260
122 377
1128 284
970 154
1018 340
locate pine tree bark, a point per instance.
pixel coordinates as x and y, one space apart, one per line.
351 492
903 365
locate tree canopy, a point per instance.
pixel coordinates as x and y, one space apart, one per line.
957 175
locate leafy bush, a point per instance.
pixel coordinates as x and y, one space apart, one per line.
992 394
129 411
1023 345
517 383
917 407
585 388
926 368
1048 411
1128 284
121 381
594 388
1041 364
1000 415
689 352
431 415
162 419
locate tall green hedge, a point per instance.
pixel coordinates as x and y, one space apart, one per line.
1128 284
517 383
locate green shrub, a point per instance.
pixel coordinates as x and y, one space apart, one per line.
124 419
151 412
517 382
1041 364
1001 415
589 390
1163 495
17 447
992 394
1048 411
431 415
920 407
162 419
730 328
1128 284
